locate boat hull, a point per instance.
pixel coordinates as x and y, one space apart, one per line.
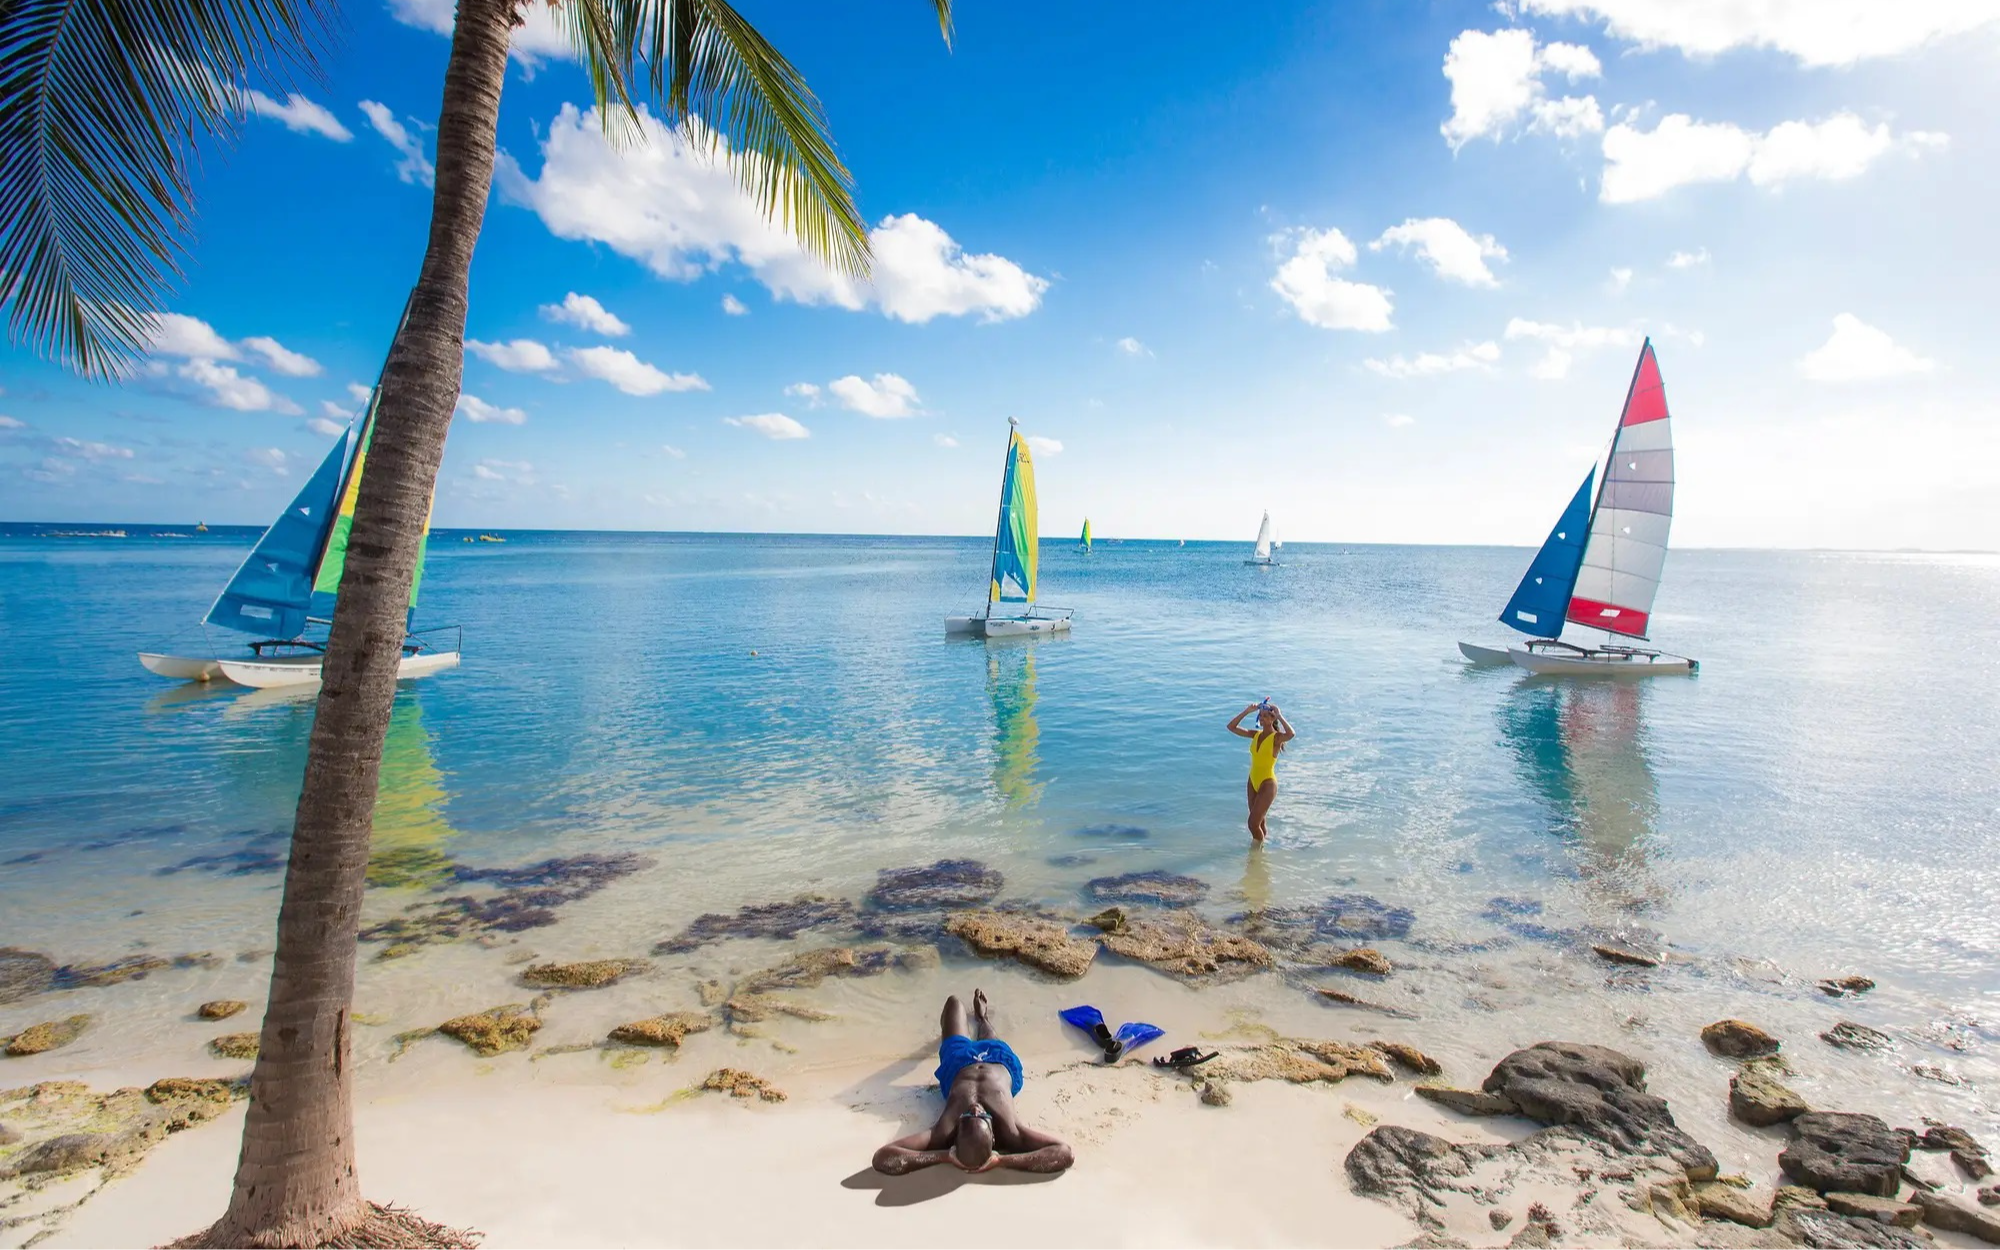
1262 564
303 670
1602 663
1485 657
1005 626
181 667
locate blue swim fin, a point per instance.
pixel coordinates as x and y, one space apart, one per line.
1132 1036
1089 1019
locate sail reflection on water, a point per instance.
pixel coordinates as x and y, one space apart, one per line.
1582 746
408 848
1010 683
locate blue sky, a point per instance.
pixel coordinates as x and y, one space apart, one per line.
1381 267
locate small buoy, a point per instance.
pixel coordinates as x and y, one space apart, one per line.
753 653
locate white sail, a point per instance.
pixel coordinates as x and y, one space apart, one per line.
1635 508
1263 551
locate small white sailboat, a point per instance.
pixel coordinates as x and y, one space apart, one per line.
1016 553
286 586
1601 564
1265 544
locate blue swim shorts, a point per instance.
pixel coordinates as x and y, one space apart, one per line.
958 1050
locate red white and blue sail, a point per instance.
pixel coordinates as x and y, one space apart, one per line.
1627 549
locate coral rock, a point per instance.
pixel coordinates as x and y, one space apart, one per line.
809 969
740 1084
1165 889
1300 1061
945 884
1738 1039
589 975
1408 1057
23 973
1364 959
1346 999
773 920
1034 940
1839 1151
1622 955
1187 946
203 1089
666 1030
495 1030
1954 1216
48 1035
234 1046
1757 1097
1851 1036
221 1009
1873 1207
1841 987
1110 920
70 1152
1600 1094
1726 1202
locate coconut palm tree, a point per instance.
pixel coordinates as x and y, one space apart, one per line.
103 104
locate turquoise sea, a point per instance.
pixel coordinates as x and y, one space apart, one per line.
762 715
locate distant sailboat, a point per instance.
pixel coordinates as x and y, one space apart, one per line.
1601 564
288 582
1262 554
1016 553
1083 544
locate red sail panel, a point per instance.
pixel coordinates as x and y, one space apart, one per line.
1608 617
1648 398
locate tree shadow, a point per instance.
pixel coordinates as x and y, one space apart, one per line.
934 1182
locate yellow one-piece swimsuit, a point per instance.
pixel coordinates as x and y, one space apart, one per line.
1263 759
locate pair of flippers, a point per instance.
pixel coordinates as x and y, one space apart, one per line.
1129 1037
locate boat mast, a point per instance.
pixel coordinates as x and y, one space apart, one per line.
999 519
1604 482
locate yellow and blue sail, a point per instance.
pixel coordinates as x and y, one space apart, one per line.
326 581
1017 539
1542 598
271 593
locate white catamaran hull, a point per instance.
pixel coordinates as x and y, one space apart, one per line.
1006 626
302 670
1614 663
1484 657
181 667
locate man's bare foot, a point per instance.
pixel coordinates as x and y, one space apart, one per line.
979 1007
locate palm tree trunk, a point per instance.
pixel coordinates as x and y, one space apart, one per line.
295 1180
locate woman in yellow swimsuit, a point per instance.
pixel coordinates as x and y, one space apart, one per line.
1272 733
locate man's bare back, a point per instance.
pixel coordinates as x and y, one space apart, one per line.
978 1129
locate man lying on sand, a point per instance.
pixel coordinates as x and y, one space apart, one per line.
978 1130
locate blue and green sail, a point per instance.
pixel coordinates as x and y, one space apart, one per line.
1083 544
326 583
1016 541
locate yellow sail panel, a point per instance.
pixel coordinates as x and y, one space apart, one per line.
1016 544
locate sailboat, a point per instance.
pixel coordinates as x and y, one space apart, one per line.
1262 555
1083 544
287 584
1016 552
1601 564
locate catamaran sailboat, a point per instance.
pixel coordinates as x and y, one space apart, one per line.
1265 544
286 586
1083 544
1016 551
1601 564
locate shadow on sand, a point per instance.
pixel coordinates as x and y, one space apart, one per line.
933 1182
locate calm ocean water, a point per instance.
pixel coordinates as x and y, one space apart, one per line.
767 714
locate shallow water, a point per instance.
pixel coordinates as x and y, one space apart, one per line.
765 715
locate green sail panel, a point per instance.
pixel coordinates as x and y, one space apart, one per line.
1016 545
326 583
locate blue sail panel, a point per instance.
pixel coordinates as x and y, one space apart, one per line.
1014 540
271 592
1542 598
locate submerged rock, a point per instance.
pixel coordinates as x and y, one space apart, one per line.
1363 959
118 971
1599 1094
1165 889
46 1036
740 1084
1408 1057
1851 1036
666 1030
70 1152
1187 946
1036 941
1757 1097
1110 920
220 1009
1841 987
784 921
1468 1101
527 899
1842 1151
1738 1039
806 970
234 1046
1623 955
1364 918
1346 999
495 1030
23 973
948 883
588 975
1954 1216
1123 833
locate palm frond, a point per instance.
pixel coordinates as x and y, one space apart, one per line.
102 104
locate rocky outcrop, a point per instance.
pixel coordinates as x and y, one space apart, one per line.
740 1084
495 1030
1598 1094
808 969
1738 1039
203 1089
588 975
784 921
1954 1216
1829 1230
948 883
23 973
1874 1207
1468 1101
1715 1201
1161 889
1299 1061
527 898
46 1036
1408 1057
221 1008
70 1152
1348 917
1966 1152
1363 959
1842 987
1188 946
1851 1036
667 1030
1036 941
1757 1097
1845 1152
234 1046
1415 1171
1110 920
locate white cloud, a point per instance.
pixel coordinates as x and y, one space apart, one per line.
11 423
673 451
1644 165
582 310
83 449
229 389
334 412
1688 260
1858 352
1564 342
518 472
415 167
271 458
360 393
1400 421
1425 364
1554 365
772 425
733 306
1306 281
1815 32
283 359
1133 347
944 440
175 334
540 35
1453 252
889 395
806 391
629 373
479 412
515 356
1496 78
666 203
1044 446
486 474
298 113
1620 279
326 426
